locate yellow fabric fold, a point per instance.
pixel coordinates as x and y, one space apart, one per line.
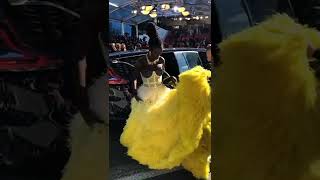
165 133
266 104
89 152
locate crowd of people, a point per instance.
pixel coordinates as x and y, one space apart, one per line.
183 39
174 39
127 43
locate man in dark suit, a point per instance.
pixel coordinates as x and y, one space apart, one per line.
85 61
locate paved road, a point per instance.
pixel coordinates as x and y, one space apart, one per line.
122 167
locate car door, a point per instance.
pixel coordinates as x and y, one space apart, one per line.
236 15
187 60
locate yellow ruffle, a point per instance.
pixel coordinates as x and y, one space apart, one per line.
89 152
163 134
265 104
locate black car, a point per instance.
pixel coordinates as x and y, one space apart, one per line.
34 118
121 68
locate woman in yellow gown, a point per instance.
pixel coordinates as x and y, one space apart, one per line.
170 127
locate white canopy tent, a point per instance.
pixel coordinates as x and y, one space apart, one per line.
123 10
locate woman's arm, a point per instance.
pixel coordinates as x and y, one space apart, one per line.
136 75
82 66
170 81
163 61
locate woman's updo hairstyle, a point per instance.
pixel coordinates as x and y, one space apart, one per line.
154 39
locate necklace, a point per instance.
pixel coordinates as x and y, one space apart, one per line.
153 62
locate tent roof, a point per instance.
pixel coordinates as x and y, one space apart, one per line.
121 10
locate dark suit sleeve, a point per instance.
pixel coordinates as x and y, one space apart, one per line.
92 22
137 69
316 54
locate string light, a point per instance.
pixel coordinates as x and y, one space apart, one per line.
145 12
153 14
134 12
181 9
149 8
175 8
186 13
165 7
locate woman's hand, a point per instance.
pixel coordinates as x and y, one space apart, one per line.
138 98
170 82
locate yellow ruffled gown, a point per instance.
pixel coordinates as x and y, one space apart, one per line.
266 104
175 129
89 151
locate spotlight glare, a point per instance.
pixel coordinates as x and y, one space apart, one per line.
113 4
145 12
175 8
181 9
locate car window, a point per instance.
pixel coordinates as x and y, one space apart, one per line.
123 69
171 65
10 54
193 59
182 62
232 16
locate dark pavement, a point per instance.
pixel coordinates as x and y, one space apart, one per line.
122 167
44 168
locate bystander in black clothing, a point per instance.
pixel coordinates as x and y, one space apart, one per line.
316 54
84 41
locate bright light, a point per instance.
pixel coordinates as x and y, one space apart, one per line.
207 17
149 8
186 13
165 6
112 4
197 17
153 14
181 9
143 7
145 12
175 8
134 12
180 19
188 19
201 17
